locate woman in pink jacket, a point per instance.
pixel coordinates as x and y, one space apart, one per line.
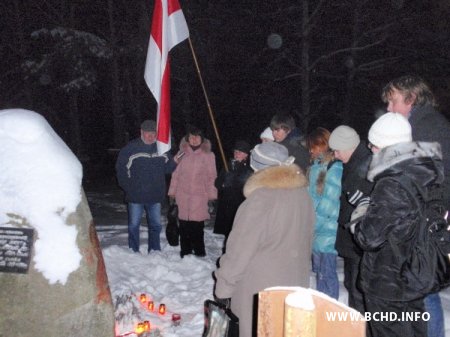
192 186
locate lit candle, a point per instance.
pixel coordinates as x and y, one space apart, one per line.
162 309
147 325
139 328
151 305
143 298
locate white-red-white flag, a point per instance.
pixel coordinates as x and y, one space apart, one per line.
169 28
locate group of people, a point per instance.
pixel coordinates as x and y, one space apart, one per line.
293 203
352 204
141 173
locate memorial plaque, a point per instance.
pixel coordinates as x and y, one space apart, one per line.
15 249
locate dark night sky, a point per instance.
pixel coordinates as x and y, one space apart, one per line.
355 47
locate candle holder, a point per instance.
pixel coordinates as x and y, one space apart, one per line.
140 328
176 319
162 309
146 326
151 305
143 298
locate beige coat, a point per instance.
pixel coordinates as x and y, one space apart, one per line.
270 243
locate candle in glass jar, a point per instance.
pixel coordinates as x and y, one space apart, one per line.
176 318
143 298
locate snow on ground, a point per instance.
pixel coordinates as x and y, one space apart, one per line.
181 284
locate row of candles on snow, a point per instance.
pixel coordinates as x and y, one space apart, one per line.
145 326
151 305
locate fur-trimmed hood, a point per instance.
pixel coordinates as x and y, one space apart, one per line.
276 177
205 146
422 161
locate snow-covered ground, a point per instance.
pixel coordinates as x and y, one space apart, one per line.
181 284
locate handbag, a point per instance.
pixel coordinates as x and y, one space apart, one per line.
220 321
172 228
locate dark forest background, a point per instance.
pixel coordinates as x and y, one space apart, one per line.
81 63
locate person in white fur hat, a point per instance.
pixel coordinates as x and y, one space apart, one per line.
270 242
386 233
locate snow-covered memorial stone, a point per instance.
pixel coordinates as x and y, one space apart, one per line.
52 275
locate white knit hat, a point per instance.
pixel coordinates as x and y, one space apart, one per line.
343 138
391 128
267 133
270 154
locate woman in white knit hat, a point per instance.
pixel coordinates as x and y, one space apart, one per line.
392 218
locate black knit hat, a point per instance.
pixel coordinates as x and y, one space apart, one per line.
242 146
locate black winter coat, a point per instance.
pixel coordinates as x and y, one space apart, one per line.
393 214
293 143
428 125
356 190
230 187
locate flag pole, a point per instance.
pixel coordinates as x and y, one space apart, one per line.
211 115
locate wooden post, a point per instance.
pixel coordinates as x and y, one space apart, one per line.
211 115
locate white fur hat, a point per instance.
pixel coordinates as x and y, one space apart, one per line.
391 128
267 133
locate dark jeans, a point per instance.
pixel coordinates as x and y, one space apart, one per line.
433 306
153 213
400 326
324 265
192 238
355 296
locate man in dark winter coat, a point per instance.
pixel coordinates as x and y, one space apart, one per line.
286 133
141 174
388 230
356 189
230 186
411 97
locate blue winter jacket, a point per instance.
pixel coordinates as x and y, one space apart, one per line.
141 172
326 204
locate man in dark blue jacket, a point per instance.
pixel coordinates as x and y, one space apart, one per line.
141 174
